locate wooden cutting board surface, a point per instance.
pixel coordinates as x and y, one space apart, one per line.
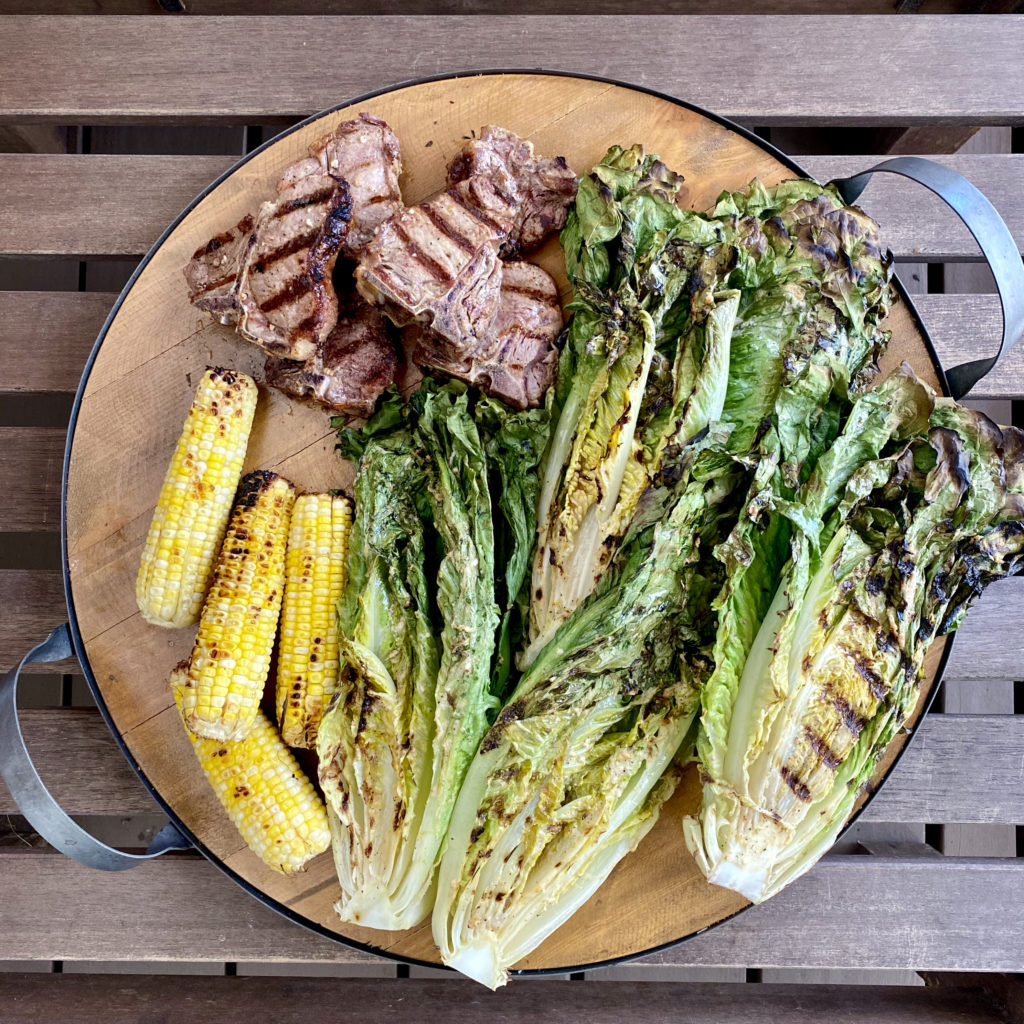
140 387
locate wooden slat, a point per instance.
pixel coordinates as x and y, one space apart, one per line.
959 768
119 205
46 337
932 70
31 461
576 7
33 603
81 764
930 783
81 999
110 205
182 908
984 648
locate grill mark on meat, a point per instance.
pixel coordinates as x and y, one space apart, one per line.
284 251
474 211
219 283
421 257
296 288
444 228
532 293
829 758
219 241
301 203
800 790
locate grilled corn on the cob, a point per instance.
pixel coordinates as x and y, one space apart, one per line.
195 500
231 657
260 784
308 659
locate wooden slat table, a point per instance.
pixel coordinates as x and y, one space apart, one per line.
885 905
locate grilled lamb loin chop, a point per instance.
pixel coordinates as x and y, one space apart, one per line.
349 371
212 273
437 264
286 299
271 276
366 154
515 358
541 188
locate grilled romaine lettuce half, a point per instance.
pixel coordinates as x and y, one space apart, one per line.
643 368
418 626
576 767
908 516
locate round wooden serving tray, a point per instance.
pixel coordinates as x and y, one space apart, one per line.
133 400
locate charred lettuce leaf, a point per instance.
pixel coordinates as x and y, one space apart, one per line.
575 769
643 369
419 628
908 516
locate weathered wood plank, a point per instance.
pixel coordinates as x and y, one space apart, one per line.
83 999
930 783
46 337
575 7
936 70
33 603
119 205
31 461
182 908
101 781
111 205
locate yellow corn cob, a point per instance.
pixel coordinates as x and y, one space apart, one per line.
307 656
195 500
260 784
231 657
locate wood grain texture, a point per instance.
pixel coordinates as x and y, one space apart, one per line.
953 914
31 462
33 603
576 7
30 999
81 764
46 337
929 784
119 205
923 70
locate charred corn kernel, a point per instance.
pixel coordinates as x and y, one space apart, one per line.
307 656
195 500
231 657
260 784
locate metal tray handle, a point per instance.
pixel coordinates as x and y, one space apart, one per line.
35 801
989 231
